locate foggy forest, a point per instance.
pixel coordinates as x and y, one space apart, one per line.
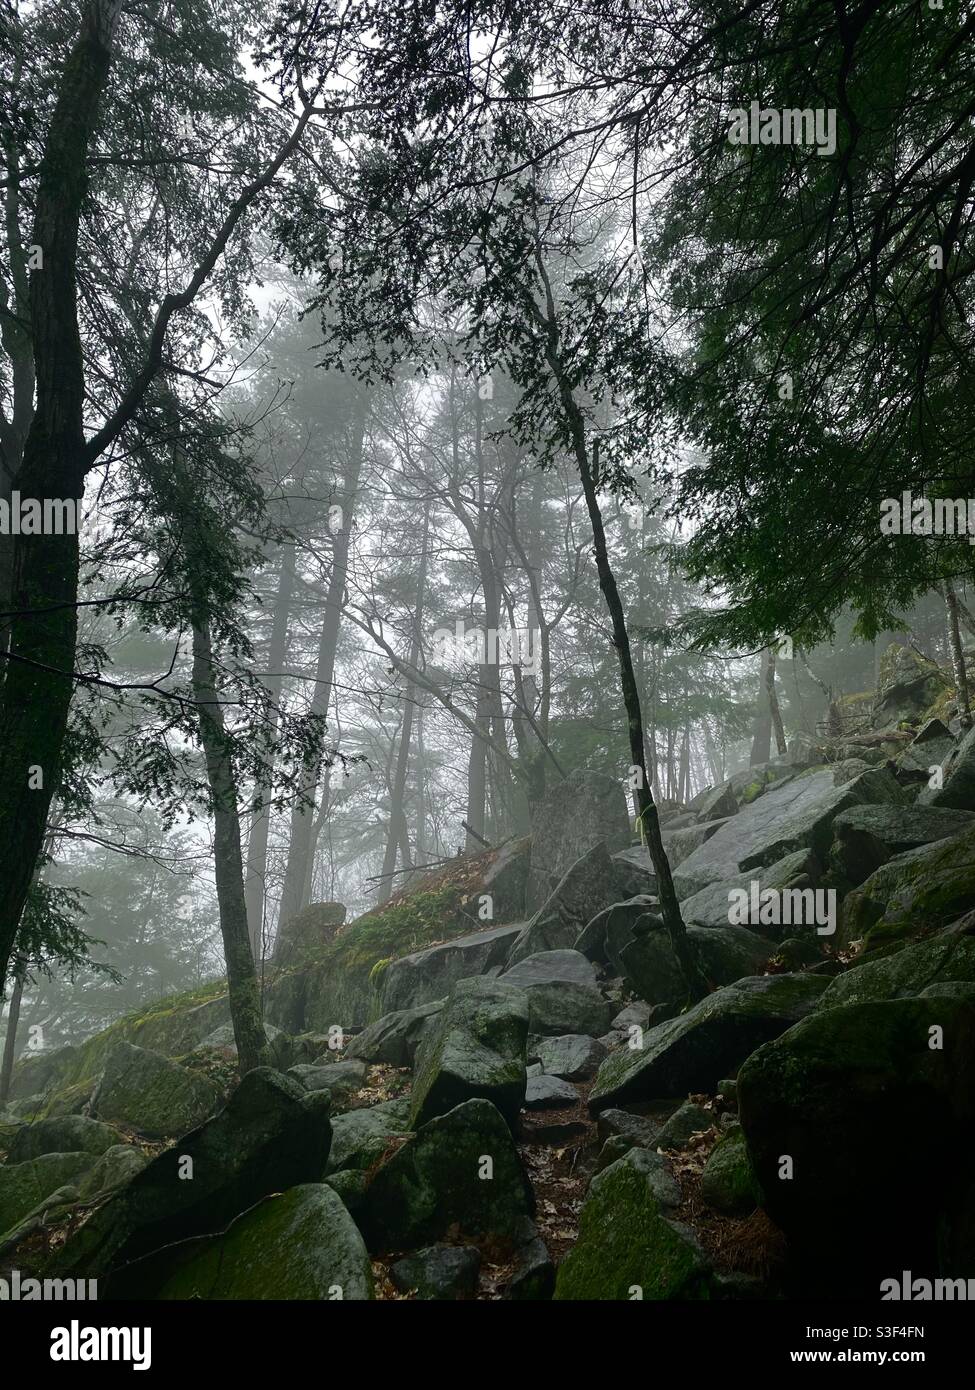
487 633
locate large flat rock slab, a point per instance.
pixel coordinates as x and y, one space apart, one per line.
799 814
425 976
693 1052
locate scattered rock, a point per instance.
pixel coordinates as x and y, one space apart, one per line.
716 803
562 993
557 1135
689 1119
438 1180
360 1137
867 836
635 1015
444 1272
620 1123
477 1049
549 1093
931 747
609 931
939 960
919 890
340 1078
628 1244
394 1038
534 1276
796 815
958 789
588 885
222 1041
728 1183
572 1056
711 906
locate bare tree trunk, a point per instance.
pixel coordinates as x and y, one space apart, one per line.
242 984
15 336
958 656
298 871
773 702
477 771
420 812
398 833
255 882
762 727
649 819
10 1041
44 569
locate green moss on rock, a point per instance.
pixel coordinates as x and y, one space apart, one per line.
299 1245
728 1182
627 1246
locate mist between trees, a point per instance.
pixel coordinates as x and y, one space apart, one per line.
359 326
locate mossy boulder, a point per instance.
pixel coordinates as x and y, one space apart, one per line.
931 747
112 1169
271 1135
341 1079
628 1246
947 957
24 1186
562 993
686 1121
66 1134
351 1184
865 837
361 1137
918 891
907 685
171 1026
459 1170
859 1122
296 1245
147 1092
351 980
692 1052
477 1049
571 1056
728 1183
751 782
724 953
394 1038
715 803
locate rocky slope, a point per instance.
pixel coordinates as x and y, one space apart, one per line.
493 1088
